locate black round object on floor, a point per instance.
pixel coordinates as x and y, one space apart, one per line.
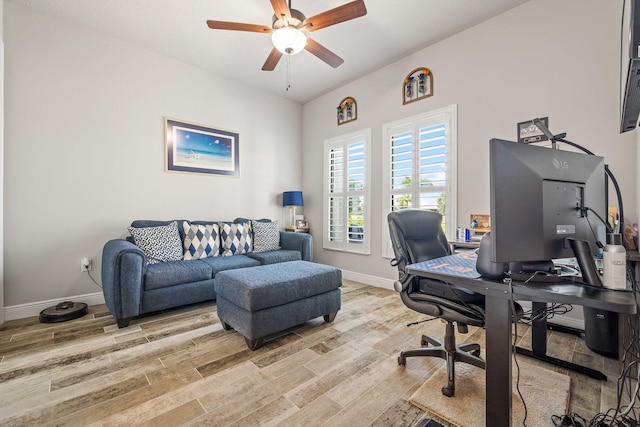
66 310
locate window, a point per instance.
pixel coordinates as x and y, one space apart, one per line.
347 193
419 167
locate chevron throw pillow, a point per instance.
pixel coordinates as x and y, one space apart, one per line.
200 241
235 238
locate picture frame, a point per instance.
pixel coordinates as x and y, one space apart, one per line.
196 148
528 132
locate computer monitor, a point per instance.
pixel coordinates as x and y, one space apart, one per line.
542 196
630 66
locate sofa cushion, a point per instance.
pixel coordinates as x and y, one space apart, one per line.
266 236
164 274
220 263
200 240
160 243
274 257
235 239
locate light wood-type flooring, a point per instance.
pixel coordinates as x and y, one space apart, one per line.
181 367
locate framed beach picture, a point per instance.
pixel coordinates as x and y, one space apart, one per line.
197 148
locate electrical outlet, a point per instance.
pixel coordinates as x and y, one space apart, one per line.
85 264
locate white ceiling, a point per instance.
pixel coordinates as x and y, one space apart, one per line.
177 29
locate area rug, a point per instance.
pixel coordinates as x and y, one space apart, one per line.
545 392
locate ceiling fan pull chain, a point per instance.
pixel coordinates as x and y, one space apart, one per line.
288 74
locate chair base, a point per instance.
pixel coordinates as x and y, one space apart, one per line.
449 351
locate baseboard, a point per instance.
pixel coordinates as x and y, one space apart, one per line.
21 311
367 279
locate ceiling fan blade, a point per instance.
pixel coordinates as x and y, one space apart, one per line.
272 60
346 12
281 8
323 53
238 26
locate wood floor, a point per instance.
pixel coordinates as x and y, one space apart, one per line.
181 368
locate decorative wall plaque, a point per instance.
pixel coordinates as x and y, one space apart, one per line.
417 85
347 110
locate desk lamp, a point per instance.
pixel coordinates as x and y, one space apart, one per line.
291 200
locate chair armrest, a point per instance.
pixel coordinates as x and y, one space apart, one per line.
302 242
403 284
123 269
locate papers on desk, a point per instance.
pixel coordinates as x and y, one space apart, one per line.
459 265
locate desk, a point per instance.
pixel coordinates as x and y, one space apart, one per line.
498 324
457 243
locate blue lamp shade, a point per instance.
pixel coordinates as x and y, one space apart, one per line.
292 198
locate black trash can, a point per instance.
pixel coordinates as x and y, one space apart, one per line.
601 331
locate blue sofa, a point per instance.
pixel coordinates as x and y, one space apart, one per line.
132 286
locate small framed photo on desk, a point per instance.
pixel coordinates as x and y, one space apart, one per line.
302 226
529 133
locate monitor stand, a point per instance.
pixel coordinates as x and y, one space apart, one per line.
582 251
535 271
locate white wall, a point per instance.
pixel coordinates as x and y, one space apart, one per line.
1 163
544 58
84 151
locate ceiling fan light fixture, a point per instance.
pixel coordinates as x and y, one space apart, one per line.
289 40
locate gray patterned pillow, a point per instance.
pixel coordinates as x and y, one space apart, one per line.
200 241
266 236
160 243
235 238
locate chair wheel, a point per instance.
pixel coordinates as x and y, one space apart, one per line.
448 391
402 361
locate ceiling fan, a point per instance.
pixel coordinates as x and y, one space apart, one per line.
289 27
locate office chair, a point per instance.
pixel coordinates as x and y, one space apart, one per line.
416 235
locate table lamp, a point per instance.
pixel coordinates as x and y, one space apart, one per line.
291 200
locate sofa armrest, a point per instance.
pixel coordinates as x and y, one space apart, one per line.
302 242
123 269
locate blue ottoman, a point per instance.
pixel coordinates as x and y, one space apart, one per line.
259 301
